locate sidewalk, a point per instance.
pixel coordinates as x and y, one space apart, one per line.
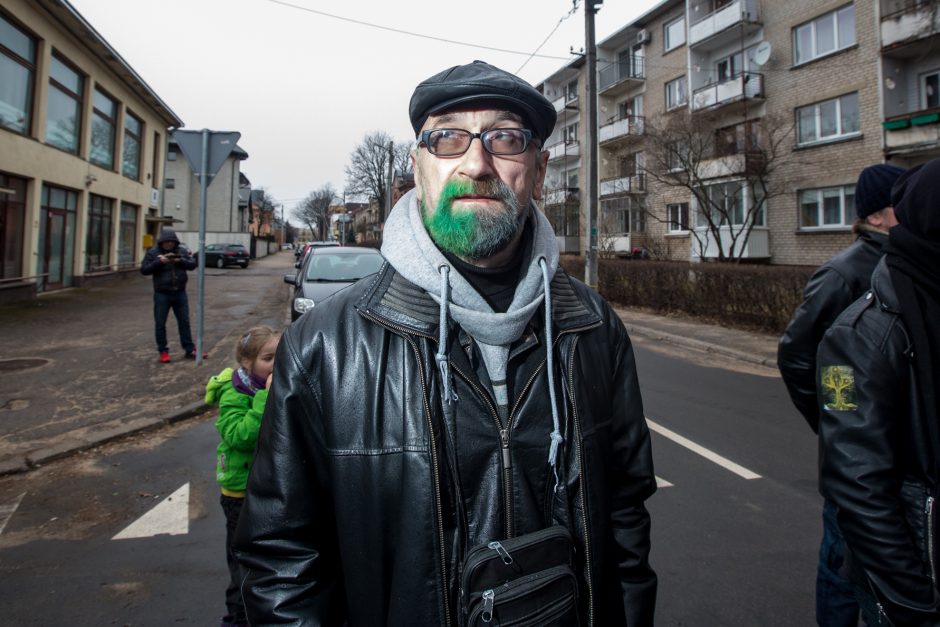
80 366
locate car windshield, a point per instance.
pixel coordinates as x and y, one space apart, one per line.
345 267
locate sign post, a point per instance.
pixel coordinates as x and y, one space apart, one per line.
205 151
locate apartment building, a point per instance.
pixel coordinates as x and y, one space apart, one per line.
82 144
737 128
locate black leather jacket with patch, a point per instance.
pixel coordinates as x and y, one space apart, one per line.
833 287
878 457
358 501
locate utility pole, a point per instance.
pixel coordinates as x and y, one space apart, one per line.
590 266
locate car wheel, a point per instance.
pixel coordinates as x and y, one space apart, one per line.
220 263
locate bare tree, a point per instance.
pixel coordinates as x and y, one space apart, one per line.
313 210
367 170
731 172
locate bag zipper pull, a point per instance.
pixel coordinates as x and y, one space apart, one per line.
501 551
488 598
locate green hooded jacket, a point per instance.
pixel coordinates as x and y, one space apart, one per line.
238 424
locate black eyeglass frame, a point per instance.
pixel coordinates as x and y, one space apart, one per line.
527 136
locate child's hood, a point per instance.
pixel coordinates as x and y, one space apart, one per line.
217 384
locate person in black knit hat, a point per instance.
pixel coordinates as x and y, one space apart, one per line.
832 288
879 375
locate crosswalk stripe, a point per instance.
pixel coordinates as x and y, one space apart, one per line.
170 517
7 511
711 456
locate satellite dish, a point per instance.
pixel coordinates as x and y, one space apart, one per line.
762 53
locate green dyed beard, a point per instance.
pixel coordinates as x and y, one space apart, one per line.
467 234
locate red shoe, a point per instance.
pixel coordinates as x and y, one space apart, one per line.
165 357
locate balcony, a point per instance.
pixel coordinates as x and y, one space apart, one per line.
738 164
732 22
618 78
622 185
561 196
620 129
564 150
913 133
563 102
907 21
757 246
744 86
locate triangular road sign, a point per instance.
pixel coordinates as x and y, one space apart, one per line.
170 517
221 145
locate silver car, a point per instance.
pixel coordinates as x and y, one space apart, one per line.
325 271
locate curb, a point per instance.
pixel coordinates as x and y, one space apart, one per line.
36 458
707 347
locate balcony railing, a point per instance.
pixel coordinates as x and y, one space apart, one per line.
621 127
908 20
746 85
564 102
916 132
631 68
739 163
622 185
563 149
739 12
561 195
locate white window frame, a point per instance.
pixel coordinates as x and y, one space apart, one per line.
847 213
840 23
668 43
677 93
16 94
675 222
922 82
816 108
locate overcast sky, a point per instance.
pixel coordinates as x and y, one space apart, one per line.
303 88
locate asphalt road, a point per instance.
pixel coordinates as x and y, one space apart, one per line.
735 525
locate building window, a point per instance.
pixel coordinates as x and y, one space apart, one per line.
133 132
127 234
98 239
929 87
674 33
826 208
677 215
622 216
171 183
829 120
12 225
17 69
571 133
103 129
64 106
566 219
730 204
677 156
824 35
676 93
571 91
571 177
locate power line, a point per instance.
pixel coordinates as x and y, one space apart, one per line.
409 33
574 9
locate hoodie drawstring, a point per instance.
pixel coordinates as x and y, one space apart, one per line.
550 371
441 357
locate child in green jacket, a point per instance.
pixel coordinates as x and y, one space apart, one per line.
241 395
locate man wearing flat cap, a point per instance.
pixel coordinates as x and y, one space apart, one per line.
834 286
879 386
458 439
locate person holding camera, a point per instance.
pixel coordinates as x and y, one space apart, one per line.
168 263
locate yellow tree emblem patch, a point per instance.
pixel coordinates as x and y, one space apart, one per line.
838 388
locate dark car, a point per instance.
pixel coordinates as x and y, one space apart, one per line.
304 248
221 255
328 269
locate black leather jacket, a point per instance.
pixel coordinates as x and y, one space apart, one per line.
353 514
878 458
833 287
168 277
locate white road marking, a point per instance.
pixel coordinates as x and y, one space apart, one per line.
7 511
170 516
662 483
711 456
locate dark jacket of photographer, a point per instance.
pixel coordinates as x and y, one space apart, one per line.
832 288
354 510
878 460
168 277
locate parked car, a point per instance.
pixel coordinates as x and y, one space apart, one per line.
326 270
221 255
303 250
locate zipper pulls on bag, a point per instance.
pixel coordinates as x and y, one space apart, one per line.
501 551
488 599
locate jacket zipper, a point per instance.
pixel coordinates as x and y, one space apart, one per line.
407 334
930 540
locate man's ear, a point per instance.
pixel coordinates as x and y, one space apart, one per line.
541 167
413 156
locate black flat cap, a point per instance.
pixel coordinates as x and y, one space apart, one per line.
478 82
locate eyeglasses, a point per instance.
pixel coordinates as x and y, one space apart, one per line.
453 142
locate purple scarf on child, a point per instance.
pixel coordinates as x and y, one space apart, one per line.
247 383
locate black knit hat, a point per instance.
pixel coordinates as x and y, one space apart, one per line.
873 189
481 82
